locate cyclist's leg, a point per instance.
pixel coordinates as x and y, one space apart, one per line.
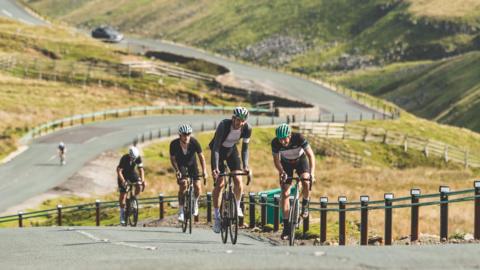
285 198
121 202
197 187
303 171
233 162
219 184
182 186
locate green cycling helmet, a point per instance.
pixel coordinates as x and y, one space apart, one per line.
283 131
240 113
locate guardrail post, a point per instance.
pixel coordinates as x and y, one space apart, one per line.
364 220
276 212
242 206
20 219
414 216
476 233
97 212
143 137
263 212
388 218
323 219
346 117
288 119
257 123
159 133
169 131
209 207
272 117
333 117
59 215
151 135
160 205
444 190
251 209
203 127
294 118
341 220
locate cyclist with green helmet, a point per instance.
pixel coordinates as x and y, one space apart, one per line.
223 145
291 151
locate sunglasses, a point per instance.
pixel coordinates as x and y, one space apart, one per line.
186 134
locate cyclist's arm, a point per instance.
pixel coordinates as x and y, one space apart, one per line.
246 140
173 160
277 163
120 174
203 163
141 171
217 143
311 159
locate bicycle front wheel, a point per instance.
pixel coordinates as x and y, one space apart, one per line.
233 219
133 211
190 211
224 218
185 212
293 219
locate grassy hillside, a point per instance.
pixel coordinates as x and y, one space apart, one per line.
446 91
402 41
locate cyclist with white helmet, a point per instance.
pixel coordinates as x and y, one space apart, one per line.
126 172
290 152
229 132
61 152
182 157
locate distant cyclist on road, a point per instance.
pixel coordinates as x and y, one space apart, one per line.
182 157
223 146
61 153
126 172
291 151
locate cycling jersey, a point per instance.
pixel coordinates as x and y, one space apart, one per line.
185 158
294 150
224 142
61 148
128 168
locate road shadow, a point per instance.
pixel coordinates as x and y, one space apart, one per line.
48 164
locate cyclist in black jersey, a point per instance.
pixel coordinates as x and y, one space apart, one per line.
182 157
126 172
291 151
229 132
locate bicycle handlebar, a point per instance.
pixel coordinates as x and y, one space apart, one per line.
188 176
231 174
296 178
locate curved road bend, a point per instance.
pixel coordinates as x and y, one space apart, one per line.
37 170
168 248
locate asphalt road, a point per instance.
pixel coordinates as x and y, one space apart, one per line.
168 248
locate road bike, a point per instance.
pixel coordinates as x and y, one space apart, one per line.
131 211
228 208
294 213
189 202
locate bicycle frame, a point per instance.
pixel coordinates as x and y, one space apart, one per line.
188 202
293 215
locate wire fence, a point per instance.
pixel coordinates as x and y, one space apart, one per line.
269 214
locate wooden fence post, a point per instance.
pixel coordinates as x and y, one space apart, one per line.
476 233
364 220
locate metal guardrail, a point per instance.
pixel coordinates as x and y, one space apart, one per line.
323 206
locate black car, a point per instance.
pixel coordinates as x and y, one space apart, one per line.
107 33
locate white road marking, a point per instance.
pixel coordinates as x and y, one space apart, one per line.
91 140
96 239
7 13
52 157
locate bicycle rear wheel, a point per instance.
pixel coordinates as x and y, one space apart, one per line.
185 212
224 218
233 219
293 220
132 205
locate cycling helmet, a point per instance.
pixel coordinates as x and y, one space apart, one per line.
133 152
185 129
240 113
61 144
283 131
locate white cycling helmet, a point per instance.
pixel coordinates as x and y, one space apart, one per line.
61 144
133 152
185 129
240 113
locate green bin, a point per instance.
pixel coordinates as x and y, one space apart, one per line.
270 209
